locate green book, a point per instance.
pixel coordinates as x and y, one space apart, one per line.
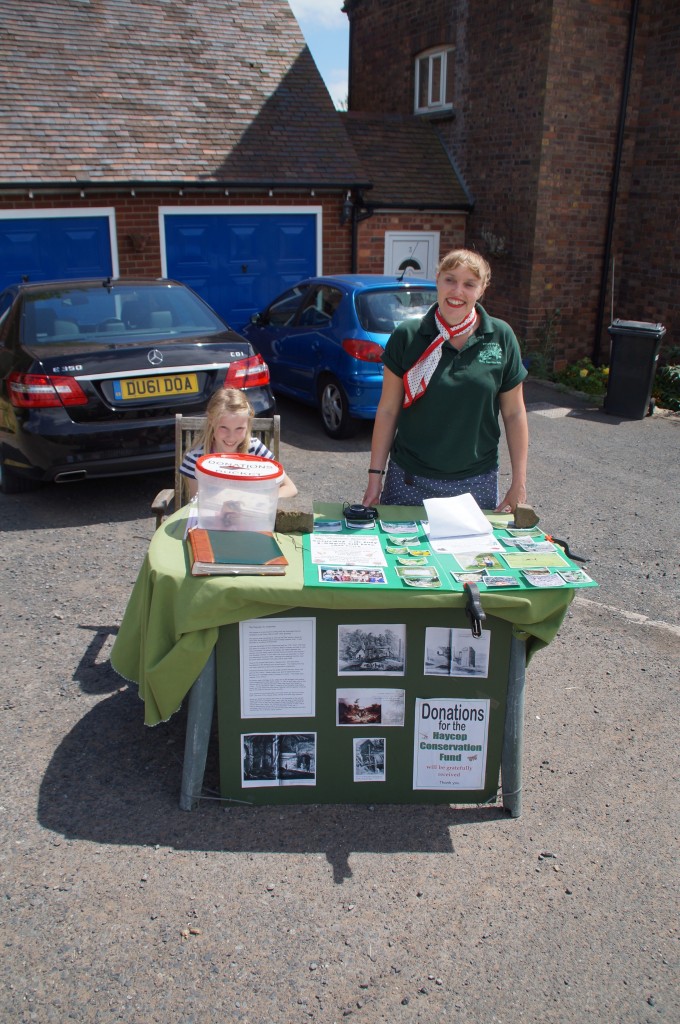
235 553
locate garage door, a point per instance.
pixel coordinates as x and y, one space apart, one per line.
239 260
45 247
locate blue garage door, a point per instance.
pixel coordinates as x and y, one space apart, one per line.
238 262
47 248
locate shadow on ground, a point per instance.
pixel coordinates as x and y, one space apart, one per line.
85 503
112 780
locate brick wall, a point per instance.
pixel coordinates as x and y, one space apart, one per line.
536 108
371 244
138 239
392 32
647 283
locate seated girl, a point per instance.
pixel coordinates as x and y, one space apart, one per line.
227 429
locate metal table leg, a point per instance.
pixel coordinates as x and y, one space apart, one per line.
199 723
513 734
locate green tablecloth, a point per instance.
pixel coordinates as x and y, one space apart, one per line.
172 620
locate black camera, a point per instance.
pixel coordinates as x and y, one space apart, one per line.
359 513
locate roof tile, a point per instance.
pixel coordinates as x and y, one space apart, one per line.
406 160
164 90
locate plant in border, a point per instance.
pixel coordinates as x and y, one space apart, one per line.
539 359
584 376
666 390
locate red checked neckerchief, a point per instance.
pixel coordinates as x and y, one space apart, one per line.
418 377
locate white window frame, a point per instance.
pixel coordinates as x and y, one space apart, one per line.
437 103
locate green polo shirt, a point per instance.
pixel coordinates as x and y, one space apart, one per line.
452 431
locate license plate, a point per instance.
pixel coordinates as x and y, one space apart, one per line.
169 384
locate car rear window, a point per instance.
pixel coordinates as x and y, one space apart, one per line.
120 312
381 311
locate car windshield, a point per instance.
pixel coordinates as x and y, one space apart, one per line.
115 313
381 311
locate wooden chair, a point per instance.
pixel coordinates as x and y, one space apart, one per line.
188 429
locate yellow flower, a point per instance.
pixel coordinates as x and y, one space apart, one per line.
605 371
583 372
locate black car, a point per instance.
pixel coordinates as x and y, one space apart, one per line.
92 374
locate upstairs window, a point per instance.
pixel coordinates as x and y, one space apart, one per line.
434 81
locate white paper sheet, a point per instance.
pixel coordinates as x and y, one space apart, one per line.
278 667
470 546
456 517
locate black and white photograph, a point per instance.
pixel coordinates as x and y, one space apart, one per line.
456 652
278 759
372 649
369 759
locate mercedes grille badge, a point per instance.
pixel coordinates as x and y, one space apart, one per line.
155 357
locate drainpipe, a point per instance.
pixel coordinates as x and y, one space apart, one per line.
359 212
615 182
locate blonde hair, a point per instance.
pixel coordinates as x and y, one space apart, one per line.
467 258
226 400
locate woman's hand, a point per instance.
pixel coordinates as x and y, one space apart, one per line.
372 492
516 495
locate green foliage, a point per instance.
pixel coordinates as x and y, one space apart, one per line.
669 356
540 357
584 376
666 390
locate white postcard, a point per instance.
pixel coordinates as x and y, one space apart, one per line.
543 578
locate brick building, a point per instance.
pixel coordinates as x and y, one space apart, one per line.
195 140
563 120
198 141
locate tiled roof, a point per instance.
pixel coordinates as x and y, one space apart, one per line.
405 159
164 90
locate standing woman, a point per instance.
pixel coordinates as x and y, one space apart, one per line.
446 379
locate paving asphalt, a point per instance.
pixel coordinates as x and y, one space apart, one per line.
118 907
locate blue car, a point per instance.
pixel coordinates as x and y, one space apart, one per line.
323 341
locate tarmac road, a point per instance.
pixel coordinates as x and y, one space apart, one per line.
118 907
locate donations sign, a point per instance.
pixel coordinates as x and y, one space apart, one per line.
450 743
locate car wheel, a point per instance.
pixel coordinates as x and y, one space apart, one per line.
14 483
334 409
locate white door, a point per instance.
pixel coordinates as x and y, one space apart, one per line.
412 252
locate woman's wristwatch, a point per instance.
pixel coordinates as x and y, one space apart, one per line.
380 472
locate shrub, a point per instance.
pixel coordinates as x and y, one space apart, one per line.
666 390
584 376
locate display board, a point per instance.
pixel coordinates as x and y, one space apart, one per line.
396 705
